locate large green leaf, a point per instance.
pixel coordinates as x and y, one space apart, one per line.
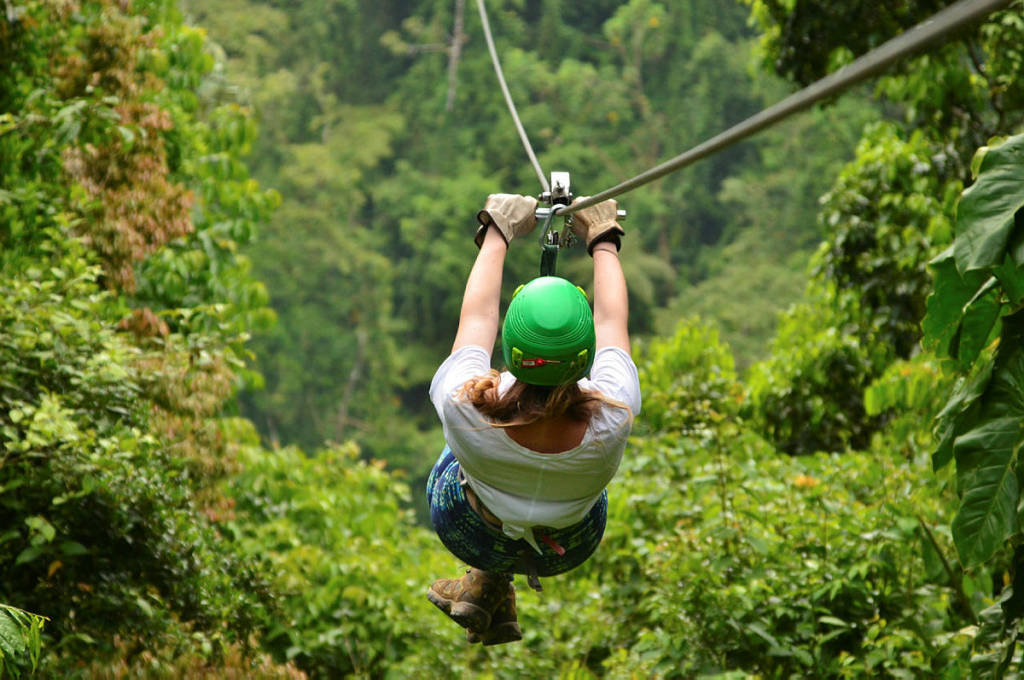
946 304
1005 396
1011 276
985 216
986 469
979 320
960 413
12 634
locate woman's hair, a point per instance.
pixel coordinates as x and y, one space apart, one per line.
523 403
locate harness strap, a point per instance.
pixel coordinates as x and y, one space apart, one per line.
526 558
550 542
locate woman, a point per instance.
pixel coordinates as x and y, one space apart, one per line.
520 488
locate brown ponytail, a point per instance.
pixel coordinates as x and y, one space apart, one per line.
522 403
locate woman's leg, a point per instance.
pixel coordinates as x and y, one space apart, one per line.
485 593
460 528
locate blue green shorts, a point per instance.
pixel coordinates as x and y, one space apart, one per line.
481 545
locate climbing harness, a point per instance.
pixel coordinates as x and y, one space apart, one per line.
929 31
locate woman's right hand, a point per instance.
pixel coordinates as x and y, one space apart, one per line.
512 214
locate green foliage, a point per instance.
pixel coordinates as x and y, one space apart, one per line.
162 541
347 557
819 565
975 319
963 88
108 439
97 511
20 640
805 40
689 381
721 559
987 210
771 229
884 215
808 396
379 191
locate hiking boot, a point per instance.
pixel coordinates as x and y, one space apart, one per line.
470 600
504 625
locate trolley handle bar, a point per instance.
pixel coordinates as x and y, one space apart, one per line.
543 212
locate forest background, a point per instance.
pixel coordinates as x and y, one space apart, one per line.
235 235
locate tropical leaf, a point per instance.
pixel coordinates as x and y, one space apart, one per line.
985 216
946 304
12 633
979 320
986 469
987 457
1011 276
960 413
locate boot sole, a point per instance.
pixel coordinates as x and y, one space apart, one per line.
502 633
469 616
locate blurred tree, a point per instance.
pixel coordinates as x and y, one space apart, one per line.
891 209
805 40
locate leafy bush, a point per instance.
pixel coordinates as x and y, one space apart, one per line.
689 381
344 553
808 396
20 640
884 217
823 566
109 440
98 513
975 322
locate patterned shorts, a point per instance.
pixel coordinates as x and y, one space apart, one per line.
480 545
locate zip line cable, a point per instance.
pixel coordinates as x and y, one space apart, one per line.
508 97
872 63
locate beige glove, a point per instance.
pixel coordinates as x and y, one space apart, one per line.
512 214
597 223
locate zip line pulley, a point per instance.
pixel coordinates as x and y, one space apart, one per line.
557 198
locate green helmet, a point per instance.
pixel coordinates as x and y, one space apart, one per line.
548 334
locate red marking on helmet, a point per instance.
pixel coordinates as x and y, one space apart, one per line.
537 363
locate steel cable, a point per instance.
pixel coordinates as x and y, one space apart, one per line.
508 97
941 24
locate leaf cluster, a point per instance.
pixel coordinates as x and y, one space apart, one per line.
974 320
108 432
20 640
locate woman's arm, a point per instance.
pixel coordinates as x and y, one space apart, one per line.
478 322
599 228
611 302
504 217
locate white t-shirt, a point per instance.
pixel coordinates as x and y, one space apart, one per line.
522 487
